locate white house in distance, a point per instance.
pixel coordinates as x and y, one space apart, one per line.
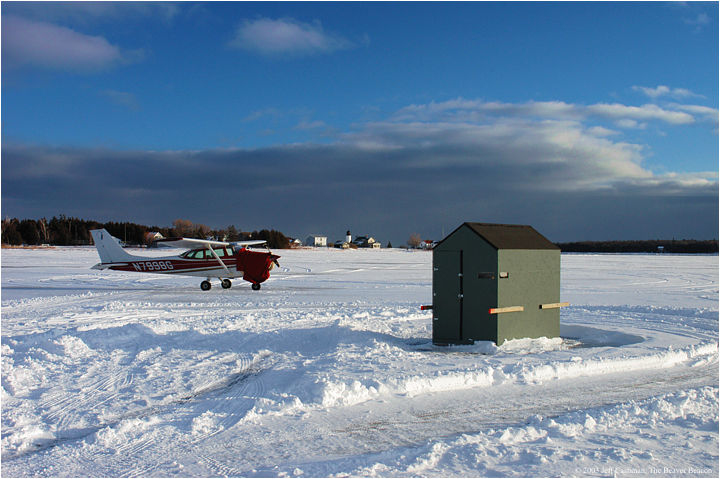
366 242
151 236
316 240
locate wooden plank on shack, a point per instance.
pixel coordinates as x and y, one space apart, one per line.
507 309
554 305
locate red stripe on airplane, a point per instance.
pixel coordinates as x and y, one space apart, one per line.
169 266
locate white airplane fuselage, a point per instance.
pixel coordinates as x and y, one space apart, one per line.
213 260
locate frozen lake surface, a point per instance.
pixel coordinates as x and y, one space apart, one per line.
329 371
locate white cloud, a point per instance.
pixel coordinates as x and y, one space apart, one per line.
122 98
84 13
601 131
264 113
28 43
705 113
286 37
662 90
699 21
630 124
625 116
617 111
310 125
460 108
542 155
546 146
538 146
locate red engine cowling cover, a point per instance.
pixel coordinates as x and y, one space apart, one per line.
255 265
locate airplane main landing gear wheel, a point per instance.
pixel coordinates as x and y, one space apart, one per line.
256 286
226 284
205 286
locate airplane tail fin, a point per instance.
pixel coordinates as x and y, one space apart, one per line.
108 247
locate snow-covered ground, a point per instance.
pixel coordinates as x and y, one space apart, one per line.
329 371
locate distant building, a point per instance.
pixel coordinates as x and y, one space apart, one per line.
428 244
366 242
345 243
316 240
151 236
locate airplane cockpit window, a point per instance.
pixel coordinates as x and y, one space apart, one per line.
207 254
194 254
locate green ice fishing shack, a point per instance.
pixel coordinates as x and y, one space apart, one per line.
495 282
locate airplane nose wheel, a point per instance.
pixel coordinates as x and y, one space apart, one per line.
205 286
226 284
256 286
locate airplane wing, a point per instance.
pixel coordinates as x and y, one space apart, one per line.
249 242
193 243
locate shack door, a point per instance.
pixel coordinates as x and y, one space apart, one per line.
447 296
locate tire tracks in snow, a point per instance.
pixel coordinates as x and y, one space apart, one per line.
230 388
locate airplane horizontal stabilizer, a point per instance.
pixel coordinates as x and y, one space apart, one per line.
102 266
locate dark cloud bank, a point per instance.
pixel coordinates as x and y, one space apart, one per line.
389 180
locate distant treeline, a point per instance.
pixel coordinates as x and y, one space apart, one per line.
64 231
649 246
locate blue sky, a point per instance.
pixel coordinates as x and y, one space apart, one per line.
586 120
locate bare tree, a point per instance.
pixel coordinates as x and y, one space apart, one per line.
415 241
232 233
201 231
182 227
43 229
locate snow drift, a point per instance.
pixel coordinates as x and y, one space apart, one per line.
330 371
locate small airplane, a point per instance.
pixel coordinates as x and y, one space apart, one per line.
205 258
